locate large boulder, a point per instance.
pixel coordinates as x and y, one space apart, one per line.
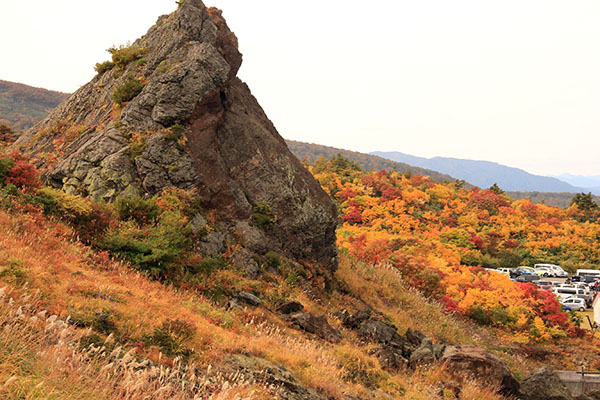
474 362
191 124
544 384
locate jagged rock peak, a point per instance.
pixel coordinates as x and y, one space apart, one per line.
169 111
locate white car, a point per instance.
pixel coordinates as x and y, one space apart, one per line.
544 271
556 270
574 303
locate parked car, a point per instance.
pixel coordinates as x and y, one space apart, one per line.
544 271
544 285
527 277
556 270
505 271
575 303
569 291
515 272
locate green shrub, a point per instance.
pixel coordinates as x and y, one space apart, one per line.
210 264
137 209
175 132
480 315
273 259
172 337
104 66
121 57
358 368
13 271
262 215
125 92
6 165
102 322
575 318
90 220
157 250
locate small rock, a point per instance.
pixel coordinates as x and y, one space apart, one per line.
317 325
290 307
390 357
243 260
423 355
544 384
378 331
450 387
249 299
414 338
355 320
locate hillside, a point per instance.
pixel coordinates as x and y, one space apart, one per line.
562 200
484 173
312 152
22 106
90 320
160 241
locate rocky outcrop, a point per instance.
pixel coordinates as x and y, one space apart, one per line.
474 362
394 351
189 123
544 384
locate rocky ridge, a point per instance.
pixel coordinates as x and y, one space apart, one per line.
187 121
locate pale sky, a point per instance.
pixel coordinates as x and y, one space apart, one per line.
515 82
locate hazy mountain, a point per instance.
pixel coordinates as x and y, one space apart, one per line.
486 173
590 183
367 162
22 106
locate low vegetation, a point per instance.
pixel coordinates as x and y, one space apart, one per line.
440 236
120 289
121 56
127 90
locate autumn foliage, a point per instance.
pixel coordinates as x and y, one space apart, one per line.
441 237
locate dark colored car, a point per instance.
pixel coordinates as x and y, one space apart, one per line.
544 285
527 278
516 272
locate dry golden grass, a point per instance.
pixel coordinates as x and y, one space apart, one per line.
74 282
42 357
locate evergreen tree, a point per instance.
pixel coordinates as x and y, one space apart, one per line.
496 189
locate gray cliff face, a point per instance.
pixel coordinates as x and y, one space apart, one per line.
193 125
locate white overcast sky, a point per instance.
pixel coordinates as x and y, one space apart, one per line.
516 82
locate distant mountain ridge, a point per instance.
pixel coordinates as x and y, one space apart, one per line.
486 173
22 106
591 183
311 152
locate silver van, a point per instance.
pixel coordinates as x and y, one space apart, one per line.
564 292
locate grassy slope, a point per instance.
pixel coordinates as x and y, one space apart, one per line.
74 281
